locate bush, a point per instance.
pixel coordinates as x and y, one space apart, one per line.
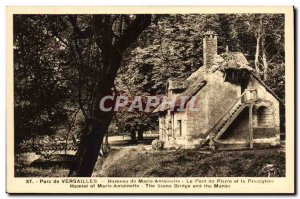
158 144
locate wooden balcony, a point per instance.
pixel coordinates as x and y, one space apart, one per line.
250 95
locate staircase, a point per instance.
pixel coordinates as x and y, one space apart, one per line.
218 129
226 121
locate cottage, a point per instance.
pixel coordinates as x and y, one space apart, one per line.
235 107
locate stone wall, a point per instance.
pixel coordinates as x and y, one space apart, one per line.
266 116
214 99
239 129
173 128
264 132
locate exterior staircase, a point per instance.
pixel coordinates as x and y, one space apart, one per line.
227 120
247 99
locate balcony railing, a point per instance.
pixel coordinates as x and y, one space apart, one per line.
250 95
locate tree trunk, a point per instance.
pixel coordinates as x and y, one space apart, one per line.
133 136
89 147
88 151
96 128
111 54
256 61
258 42
140 135
264 59
70 127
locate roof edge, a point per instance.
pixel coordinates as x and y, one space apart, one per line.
267 88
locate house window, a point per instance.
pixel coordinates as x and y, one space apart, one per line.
179 125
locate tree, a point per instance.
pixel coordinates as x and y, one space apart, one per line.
112 35
40 93
67 59
267 29
170 47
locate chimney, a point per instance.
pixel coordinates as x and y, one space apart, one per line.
209 48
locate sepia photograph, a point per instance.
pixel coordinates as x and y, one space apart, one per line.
150 95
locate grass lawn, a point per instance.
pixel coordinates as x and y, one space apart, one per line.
141 162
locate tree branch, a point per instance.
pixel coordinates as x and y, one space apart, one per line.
86 33
133 30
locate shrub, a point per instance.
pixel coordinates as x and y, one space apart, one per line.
158 145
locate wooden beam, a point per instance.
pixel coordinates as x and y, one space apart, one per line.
251 126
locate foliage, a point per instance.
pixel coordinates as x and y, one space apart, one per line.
172 47
40 94
276 79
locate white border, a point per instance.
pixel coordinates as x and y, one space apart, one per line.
4 3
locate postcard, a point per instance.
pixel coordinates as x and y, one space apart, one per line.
150 100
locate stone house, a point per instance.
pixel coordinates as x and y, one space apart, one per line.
235 107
